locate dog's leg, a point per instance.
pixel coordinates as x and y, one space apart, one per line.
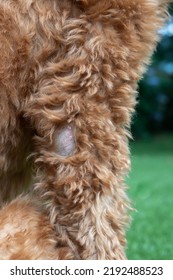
26 233
81 113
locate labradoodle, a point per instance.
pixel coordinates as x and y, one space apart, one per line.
26 233
68 81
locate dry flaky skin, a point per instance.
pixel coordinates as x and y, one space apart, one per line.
26 233
74 63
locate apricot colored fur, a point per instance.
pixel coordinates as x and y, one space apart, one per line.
26 233
71 63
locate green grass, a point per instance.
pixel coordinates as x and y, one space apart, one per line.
151 190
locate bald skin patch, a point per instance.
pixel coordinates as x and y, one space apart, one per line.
65 141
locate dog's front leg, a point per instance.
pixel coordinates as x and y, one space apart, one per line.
81 111
81 158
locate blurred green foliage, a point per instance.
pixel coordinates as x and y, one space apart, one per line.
151 180
154 112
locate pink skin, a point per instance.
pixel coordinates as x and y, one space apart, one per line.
66 141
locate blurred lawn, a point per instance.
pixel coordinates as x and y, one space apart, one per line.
151 190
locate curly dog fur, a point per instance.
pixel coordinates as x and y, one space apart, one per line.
33 238
68 83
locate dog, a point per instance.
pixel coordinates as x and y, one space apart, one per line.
26 233
68 80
